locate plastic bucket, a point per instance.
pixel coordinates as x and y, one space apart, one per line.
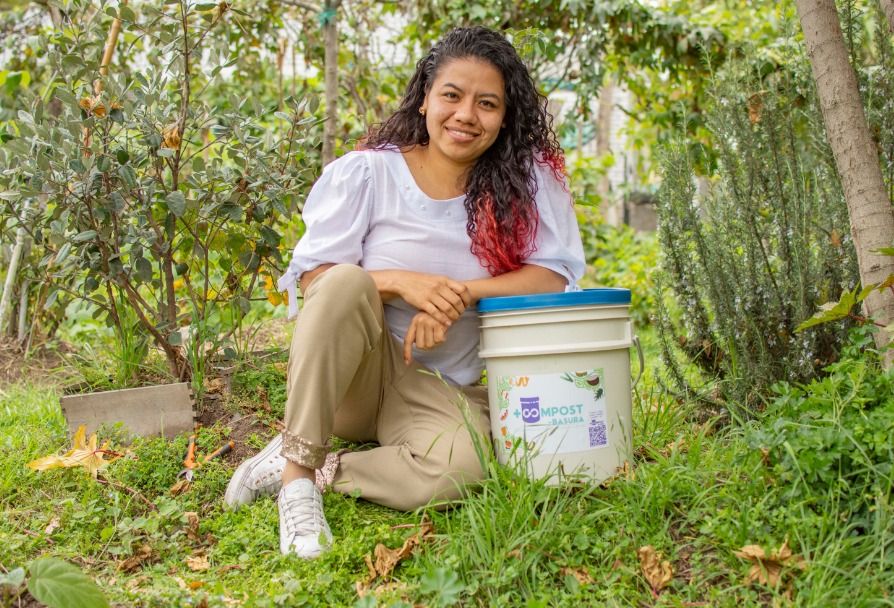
558 375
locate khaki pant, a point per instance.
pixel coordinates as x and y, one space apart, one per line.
347 378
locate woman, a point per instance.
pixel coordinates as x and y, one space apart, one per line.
457 196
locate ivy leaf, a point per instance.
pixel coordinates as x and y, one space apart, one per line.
834 311
59 584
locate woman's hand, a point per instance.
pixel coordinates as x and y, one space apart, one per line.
441 297
425 332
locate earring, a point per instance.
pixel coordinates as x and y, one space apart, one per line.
422 110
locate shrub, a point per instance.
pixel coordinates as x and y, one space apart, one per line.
830 441
765 244
145 195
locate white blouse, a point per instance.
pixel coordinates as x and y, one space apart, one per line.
366 209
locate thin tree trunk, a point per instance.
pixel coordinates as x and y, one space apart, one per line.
22 329
13 270
856 156
330 44
603 146
888 8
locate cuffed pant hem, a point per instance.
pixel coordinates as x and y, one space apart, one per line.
302 452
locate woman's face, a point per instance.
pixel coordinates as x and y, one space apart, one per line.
464 109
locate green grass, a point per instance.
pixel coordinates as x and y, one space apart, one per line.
515 543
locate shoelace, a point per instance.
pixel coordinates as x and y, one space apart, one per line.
302 519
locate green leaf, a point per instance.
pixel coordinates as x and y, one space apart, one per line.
143 269
84 236
128 175
175 339
13 578
9 195
126 13
444 584
176 203
885 251
122 156
59 584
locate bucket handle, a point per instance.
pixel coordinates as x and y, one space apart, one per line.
642 362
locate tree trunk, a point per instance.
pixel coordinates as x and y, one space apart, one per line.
607 206
888 8
12 271
330 67
856 155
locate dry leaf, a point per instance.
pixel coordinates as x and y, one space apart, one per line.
658 572
171 136
582 576
198 563
180 582
617 564
196 584
52 526
767 569
136 581
386 560
180 487
835 237
142 555
192 526
755 106
83 453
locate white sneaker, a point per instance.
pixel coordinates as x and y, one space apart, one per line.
303 530
260 475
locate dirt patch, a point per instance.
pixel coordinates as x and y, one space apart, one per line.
217 408
41 364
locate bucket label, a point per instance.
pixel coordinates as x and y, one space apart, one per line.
553 413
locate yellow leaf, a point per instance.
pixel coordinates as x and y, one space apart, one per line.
83 454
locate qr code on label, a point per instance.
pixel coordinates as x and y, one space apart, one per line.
597 434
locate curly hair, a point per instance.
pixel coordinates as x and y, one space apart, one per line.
500 190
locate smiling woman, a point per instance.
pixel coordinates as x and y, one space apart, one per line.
458 196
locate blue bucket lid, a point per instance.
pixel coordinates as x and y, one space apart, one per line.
587 297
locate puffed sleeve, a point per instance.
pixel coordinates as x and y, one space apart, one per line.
558 240
336 216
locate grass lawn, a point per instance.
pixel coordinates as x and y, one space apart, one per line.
697 495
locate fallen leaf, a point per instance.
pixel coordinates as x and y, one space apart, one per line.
136 581
142 555
196 584
386 560
198 563
83 453
192 526
658 572
180 582
52 526
180 487
617 564
582 576
767 569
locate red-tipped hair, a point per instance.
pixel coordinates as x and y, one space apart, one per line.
504 246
